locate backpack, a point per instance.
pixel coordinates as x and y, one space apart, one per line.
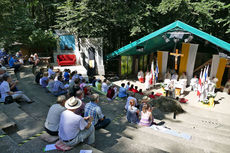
8 100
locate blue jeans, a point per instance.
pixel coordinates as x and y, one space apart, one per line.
102 124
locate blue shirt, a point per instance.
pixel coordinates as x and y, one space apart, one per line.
66 76
44 81
92 109
122 92
11 62
58 86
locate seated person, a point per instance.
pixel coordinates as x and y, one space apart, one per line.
168 75
59 88
104 86
82 84
31 59
98 84
66 75
44 80
131 96
51 72
152 95
36 59
80 95
131 87
146 116
122 91
110 93
127 86
5 91
132 112
39 75
92 109
135 90
73 128
140 76
14 64
140 92
53 116
50 85
145 100
174 76
183 76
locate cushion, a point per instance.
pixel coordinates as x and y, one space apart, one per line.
183 100
61 146
158 94
49 138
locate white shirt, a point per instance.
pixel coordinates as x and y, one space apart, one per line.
127 102
53 117
4 89
50 72
104 87
70 125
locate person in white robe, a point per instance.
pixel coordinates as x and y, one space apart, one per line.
227 87
194 83
183 76
212 85
175 76
168 75
140 76
147 80
202 92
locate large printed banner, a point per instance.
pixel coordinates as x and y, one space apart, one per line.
217 69
162 59
187 62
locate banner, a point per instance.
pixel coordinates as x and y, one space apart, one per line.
162 59
217 69
187 62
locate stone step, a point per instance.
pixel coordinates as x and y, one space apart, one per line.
208 113
37 145
27 126
126 145
199 144
7 145
5 122
209 134
200 121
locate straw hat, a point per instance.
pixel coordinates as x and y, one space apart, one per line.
73 103
145 98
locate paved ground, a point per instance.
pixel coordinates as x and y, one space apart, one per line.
209 128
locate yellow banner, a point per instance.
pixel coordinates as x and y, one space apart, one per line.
184 59
159 61
220 71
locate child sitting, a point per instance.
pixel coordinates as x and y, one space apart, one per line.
132 112
135 90
146 115
131 87
127 85
152 95
140 92
50 84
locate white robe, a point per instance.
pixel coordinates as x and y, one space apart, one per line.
194 84
174 77
147 79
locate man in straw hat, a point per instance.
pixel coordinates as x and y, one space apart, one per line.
73 128
92 109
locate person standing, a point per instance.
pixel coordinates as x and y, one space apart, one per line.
147 80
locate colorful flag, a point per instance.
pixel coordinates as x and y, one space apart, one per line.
151 81
206 73
200 84
156 72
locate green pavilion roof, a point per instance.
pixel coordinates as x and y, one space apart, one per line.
155 41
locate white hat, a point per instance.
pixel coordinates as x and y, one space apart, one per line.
73 103
145 98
